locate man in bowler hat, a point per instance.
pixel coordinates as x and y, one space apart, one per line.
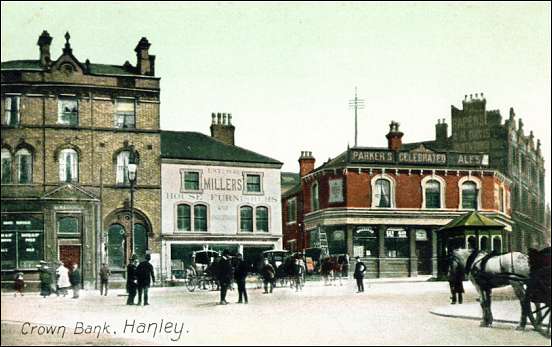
146 277
360 269
224 275
240 275
132 279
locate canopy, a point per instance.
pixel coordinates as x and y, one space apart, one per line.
472 220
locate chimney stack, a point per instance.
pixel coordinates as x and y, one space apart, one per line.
222 129
44 41
306 163
441 132
394 137
145 63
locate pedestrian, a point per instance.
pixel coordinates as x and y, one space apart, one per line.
75 279
299 272
132 280
224 275
455 279
63 282
45 277
19 284
360 269
240 275
105 273
344 261
146 277
269 276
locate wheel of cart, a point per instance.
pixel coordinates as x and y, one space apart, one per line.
200 274
537 292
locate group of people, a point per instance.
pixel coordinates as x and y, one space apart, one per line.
58 282
140 277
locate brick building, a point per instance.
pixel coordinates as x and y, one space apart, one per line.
387 204
69 130
216 196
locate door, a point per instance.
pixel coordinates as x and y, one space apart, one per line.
69 255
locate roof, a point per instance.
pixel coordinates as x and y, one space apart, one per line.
198 146
95 69
472 220
289 180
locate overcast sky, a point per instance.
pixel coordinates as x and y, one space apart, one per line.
287 71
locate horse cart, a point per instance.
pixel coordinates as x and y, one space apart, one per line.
201 274
537 290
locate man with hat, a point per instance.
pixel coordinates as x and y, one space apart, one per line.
224 275
240 275
132 279
360 269
146 277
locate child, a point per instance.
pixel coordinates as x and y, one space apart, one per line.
19 283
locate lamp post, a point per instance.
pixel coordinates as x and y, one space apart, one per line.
132 167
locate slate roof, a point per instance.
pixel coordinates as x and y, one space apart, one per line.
95 69
289 181
198 146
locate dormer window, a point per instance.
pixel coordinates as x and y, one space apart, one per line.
68 111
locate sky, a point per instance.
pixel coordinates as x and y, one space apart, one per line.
286 71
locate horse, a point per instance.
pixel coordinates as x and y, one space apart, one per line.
489 271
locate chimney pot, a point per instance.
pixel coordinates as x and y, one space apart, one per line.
229 118
213 116
224 119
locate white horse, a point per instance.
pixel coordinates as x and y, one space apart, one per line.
487 272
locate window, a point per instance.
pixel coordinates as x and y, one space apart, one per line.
68 111
396 243
140 241
126 114
6 166
253 183
68 226
262 219
22 241
68 165
365 242
315 197
24 161
501 199
183 217
122 167
191 180
116 246
433 194
11 111
292 210
469 195
246 219
383 193
200 218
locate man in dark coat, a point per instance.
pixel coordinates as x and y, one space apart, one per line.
240 275
455 279
269 276
224 275
132 279
146 277
75 280
360 269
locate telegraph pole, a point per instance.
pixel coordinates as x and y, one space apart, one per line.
357 104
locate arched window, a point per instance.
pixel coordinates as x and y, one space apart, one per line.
183 217
382 193
200 218
262 218
497 244
122 167
246 219
140 241
6 166
472 242
116 246
24 161
469 195
68 165
433 194
315 197
484 242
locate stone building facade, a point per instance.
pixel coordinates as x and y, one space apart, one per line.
69 130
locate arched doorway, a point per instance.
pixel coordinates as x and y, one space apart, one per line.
116 245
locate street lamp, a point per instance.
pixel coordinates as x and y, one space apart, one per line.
132 168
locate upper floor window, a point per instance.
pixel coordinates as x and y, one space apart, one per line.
262 218
200 218
433 194
183 217
24 161
6 166
383 193
292 209
469 195
11 110
253 183
315 197
125 116
190 180
68 165
191 218
246 219
122 167
68 111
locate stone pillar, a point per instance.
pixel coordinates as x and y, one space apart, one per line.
349 238
413 269
434 255
381 250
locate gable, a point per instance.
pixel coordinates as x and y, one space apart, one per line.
69 191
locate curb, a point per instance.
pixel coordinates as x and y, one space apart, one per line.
473 318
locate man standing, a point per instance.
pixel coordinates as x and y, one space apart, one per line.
75 279
132 280
269 276
242 270
360 269
145 278
104 278
224 274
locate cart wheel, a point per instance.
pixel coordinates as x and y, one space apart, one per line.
191 284
540 318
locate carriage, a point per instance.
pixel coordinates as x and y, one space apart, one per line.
537 290
200 274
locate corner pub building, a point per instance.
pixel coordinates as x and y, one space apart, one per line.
386 205
69 129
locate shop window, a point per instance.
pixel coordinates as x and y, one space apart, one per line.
292 210
11 111
200 218
68 165
68 111
262 219
22 242
24 161
315 197
125 115
246 219
365 242
140 241
469 195
337 242
116 246
6 166
183 217
433 194
190 180
122 167
396 243
253 183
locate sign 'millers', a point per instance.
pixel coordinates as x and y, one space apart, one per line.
368 156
